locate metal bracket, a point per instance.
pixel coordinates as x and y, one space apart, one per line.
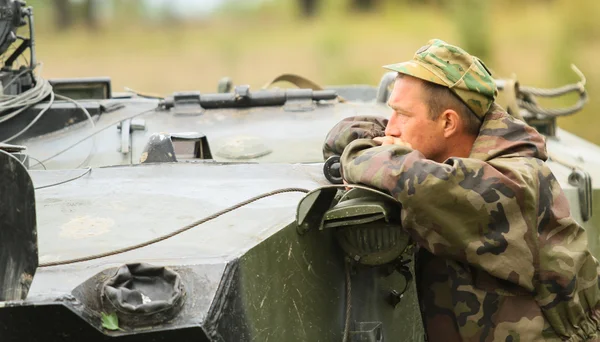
583 182
127 127
187 103
299 100
110 107
242 96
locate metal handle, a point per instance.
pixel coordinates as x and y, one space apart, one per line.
582 180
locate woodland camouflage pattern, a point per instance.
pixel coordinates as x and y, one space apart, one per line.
452 67
350 129
500 258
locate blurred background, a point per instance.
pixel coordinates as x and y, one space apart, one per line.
162 46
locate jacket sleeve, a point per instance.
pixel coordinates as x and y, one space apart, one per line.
462 209
350 129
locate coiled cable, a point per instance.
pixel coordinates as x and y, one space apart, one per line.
39 92
20 102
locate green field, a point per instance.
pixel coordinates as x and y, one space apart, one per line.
534 40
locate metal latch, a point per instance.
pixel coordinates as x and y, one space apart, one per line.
299 100
187 103
583 182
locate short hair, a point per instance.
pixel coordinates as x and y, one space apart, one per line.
439 98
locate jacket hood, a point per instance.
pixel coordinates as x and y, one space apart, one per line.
502 135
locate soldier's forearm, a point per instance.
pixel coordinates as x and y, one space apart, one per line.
365 161
459 209
350 129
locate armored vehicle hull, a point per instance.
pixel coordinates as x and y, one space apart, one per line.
211 217
247 275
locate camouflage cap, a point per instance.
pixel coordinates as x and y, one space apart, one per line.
452 67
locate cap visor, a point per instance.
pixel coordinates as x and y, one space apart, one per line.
415 69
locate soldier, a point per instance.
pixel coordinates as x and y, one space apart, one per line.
499 258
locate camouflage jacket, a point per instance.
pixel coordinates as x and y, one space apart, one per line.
506 262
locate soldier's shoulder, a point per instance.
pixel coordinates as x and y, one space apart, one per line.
497 110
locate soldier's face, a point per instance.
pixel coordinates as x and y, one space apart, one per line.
410 119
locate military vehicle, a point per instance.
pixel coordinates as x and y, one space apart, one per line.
211 217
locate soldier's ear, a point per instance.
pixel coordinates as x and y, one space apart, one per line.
451 123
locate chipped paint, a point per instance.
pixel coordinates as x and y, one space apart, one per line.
143 157
86 226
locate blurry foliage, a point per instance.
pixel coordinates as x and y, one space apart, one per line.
363 5
578 28
473 25
253 41
579 31
332 46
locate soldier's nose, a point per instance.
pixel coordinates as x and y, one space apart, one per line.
393 131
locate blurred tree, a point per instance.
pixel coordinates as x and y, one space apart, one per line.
363 5
64 10
62 14
308 8
91 14
578 26
472 20
426 2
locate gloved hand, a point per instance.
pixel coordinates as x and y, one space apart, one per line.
350 129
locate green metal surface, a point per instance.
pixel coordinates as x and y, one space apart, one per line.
294 289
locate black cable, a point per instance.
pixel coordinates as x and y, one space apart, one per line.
88 170
39 162
94 133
